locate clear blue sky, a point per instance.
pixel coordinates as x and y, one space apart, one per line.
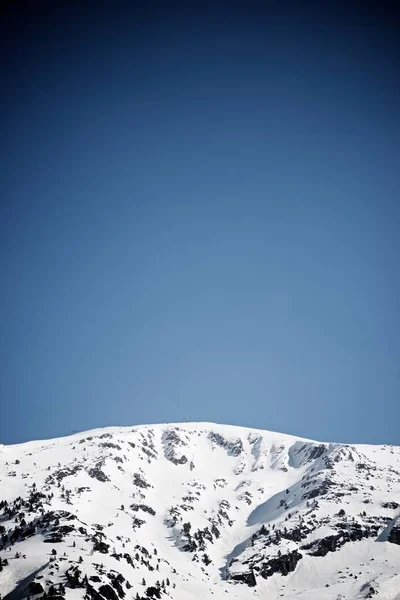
200 218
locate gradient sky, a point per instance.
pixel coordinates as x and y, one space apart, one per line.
200 218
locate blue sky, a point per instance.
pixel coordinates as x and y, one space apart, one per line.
200 219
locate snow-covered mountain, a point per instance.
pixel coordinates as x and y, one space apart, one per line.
198 510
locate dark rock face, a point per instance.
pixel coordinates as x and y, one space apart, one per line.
128 559
35 588
246 577
172 441
116 583
91 593
108 592
73 576
179 461
296 534
60 474
136 523
394 536
316 452
233 448
143 507
110 445
391 505
65 529
321 490
97 473
153 592
281 564
331 543
101 547
321 547
140 481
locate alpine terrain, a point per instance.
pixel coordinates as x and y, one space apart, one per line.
198 510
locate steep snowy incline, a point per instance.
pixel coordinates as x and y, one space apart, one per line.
196 510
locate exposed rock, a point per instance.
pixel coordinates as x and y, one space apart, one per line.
108 592
283 564
140 481
233 447
35 588
171 442
246 577
394 535
391 505
101 547
97 473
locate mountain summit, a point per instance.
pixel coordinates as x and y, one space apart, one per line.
198 510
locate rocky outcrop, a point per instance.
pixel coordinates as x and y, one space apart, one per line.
246 577
108 592
97 473
334 542
172 442
394 535
283 564
233 447
35 588
140 481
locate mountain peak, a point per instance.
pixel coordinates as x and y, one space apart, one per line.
190 510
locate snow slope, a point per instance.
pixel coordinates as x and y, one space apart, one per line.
198 510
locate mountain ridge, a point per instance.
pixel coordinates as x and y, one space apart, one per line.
195 424
211 508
